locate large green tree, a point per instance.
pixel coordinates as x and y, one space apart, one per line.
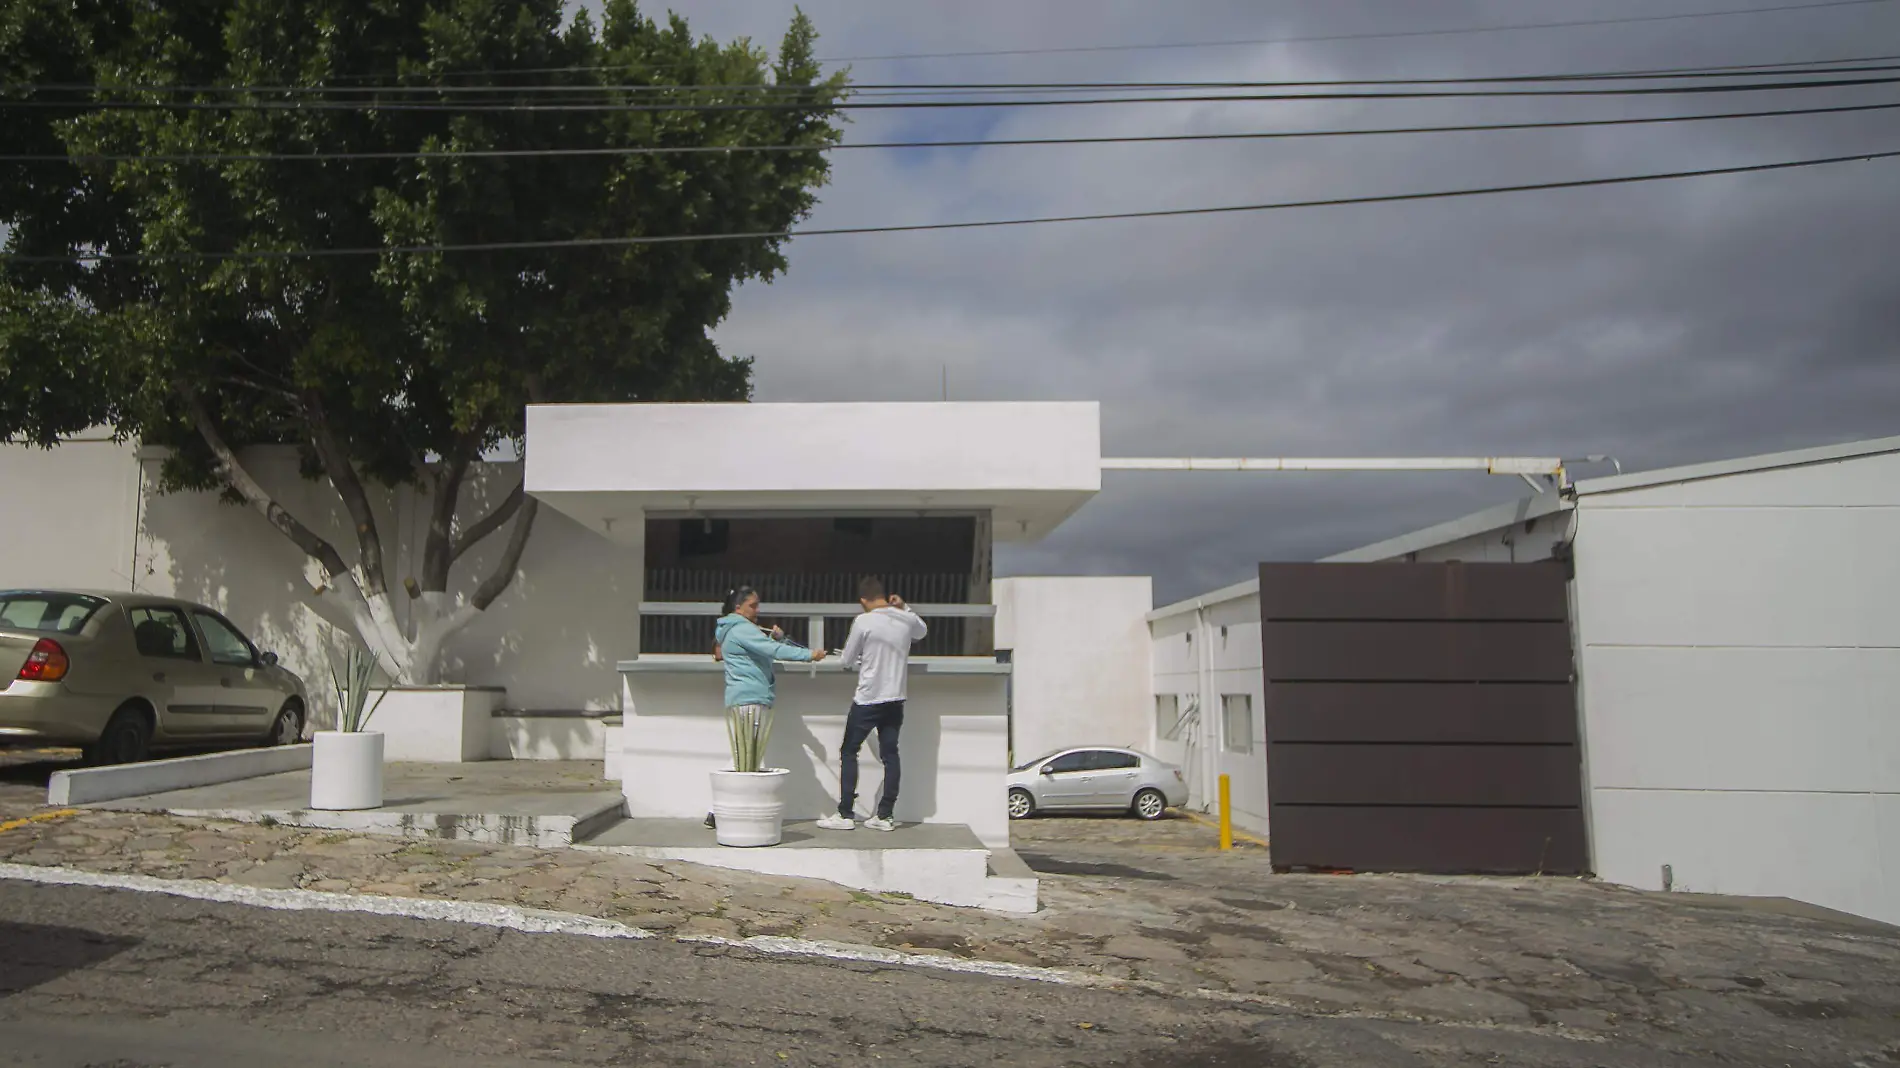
174 298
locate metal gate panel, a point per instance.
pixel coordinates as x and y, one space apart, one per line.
1421 717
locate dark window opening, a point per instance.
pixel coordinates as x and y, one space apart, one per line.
704 537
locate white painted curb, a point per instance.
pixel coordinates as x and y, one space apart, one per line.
86 785
533 921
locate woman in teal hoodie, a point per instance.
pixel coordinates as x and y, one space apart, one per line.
748 652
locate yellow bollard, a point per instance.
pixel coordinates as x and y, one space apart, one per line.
1226 815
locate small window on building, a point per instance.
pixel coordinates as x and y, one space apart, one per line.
1237 722
1167 717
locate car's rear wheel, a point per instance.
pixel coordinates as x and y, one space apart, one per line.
127 738
1150 805
287 729
1021 805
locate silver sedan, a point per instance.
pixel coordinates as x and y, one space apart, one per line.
1096 778
123 674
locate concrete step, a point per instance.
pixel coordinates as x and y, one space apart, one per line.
944 863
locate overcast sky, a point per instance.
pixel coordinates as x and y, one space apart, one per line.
1662 323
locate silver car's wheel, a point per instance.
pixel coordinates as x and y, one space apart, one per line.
1020 804
288 729
1150 805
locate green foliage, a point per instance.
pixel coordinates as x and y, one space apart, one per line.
352 683
400 355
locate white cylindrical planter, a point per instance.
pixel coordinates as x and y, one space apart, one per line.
346 770
749 806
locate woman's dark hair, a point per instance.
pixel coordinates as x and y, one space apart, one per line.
735 598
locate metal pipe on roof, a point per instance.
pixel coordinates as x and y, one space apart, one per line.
1496 465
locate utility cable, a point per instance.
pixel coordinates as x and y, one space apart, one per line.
676 239
883 105
1814 67
716 150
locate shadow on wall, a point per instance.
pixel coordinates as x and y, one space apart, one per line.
552 639
813 785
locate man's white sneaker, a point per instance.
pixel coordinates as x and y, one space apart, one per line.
837 823
879 823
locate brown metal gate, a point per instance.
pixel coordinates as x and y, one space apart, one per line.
1420 717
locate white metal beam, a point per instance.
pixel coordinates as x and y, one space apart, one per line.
1497 465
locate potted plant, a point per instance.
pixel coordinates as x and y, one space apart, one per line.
748 801
346 764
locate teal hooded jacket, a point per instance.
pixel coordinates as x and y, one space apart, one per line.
748 653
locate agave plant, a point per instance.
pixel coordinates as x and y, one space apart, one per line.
748 728
352 685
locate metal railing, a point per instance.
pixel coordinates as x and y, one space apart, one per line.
677 616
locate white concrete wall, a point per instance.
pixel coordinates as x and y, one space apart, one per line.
1080 652
69 514
952 744
552 639
1201 658
1740 646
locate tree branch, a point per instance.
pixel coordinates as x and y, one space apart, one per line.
349 486
488 524
240 480
439 549
510 558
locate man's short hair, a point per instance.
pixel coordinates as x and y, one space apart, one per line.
870 588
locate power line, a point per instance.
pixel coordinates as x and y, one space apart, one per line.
757 235
882 105
1317 38
1789 69
671 150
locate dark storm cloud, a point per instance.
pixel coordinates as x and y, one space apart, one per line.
1663 323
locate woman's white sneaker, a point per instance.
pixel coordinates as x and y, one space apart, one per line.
837 823
879 823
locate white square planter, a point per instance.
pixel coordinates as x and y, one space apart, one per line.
440 724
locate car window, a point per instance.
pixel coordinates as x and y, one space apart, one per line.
54 613
1069 762
227 645
1103 760
162 632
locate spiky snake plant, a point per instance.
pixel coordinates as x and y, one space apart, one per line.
352 685
748 729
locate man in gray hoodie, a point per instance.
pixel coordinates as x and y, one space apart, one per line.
878 649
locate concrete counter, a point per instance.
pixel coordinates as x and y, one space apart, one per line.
954 742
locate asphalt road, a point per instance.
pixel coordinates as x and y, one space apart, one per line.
115 979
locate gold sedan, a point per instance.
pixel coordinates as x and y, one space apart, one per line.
123 674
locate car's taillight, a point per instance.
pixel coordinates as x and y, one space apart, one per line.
46 663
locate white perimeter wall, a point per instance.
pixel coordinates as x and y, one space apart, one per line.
1080 660
552 639
1200 657
69 515
1740 642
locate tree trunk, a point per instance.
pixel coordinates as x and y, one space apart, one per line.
411 654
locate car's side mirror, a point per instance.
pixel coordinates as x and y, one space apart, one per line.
268 659
1047 770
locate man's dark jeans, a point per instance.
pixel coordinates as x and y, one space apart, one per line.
887 718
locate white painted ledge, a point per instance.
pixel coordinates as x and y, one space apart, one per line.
86 785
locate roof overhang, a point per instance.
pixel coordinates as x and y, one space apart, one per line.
611 467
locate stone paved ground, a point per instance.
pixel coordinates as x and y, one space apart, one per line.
1153 902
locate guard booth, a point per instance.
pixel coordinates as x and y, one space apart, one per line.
799 501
